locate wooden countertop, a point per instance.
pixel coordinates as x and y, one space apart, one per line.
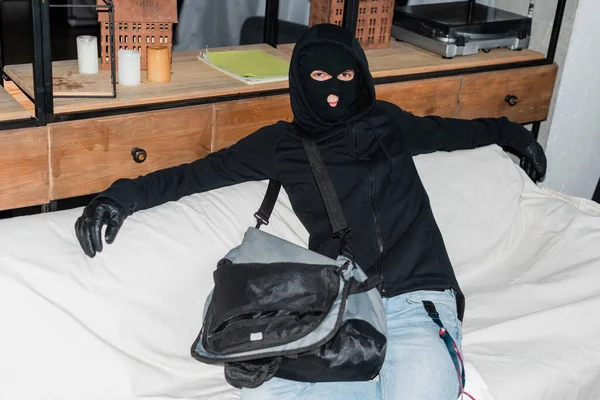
405 59
190 79
10 109
193 79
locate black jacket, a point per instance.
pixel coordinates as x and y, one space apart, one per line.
369 157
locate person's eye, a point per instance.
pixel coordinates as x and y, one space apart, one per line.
346 75
320 75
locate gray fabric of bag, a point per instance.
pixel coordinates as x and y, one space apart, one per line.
263 248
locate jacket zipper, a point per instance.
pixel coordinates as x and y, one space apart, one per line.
373 211
377 229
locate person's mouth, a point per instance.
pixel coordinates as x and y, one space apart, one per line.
333 100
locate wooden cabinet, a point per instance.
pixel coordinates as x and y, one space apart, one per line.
24 173
237 119
88 155
424 97
82 157
522 95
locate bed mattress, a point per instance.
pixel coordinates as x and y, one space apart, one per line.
120 326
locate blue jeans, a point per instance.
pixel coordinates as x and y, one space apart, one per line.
417 364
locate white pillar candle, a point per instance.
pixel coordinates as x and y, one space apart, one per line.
129 67
87 54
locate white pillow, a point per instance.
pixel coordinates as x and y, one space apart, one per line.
121 325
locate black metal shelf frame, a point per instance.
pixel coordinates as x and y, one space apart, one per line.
42 65
43 98
44 101
110 9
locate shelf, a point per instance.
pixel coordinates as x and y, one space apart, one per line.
190 79
405 59
193 79
10 109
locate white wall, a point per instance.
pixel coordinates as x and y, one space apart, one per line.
573 144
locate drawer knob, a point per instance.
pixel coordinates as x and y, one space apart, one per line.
139 155
511 100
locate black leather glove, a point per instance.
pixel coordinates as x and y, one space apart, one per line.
100 211
533 161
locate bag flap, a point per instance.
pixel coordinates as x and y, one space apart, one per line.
261 305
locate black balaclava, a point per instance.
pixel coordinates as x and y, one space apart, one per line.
334 60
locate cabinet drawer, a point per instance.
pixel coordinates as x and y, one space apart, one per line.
24 173
88 155
522 95
427 97
237 119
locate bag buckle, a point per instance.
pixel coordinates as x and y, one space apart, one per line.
260 219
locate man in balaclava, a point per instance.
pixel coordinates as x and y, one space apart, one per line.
367 146
331 82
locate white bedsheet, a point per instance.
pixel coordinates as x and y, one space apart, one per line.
120 326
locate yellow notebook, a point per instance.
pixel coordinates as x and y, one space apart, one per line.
249 66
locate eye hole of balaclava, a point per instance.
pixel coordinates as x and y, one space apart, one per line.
321 93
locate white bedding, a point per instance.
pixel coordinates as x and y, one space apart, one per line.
120 326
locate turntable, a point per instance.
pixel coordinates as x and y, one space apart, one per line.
460 28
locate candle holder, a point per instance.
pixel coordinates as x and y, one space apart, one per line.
103 7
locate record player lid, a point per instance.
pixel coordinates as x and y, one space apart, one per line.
457 14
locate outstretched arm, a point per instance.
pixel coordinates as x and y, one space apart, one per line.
249 159
432 133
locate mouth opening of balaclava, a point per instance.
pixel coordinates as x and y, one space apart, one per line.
334 60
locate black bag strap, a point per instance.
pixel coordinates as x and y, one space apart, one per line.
332 204
266 208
